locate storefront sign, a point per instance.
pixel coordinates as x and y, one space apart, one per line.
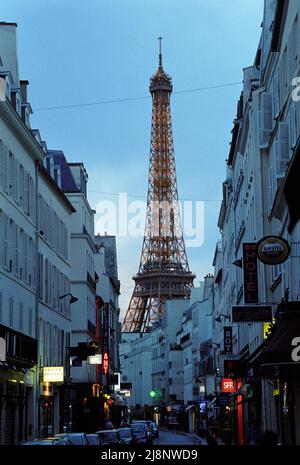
46 389
250 273
105 363
105 338
273 250
95 359
245 314
53 374
228 385
228 339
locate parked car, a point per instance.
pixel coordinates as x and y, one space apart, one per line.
94 440
76 439
154 428
126 435
141 433
46 442
109 436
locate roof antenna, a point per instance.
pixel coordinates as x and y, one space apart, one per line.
160 54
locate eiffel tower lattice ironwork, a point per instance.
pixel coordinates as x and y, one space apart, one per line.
164 271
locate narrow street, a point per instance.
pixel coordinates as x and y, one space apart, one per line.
173 438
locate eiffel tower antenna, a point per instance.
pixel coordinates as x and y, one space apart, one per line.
164 271
160 53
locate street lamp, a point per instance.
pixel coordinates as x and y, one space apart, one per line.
217 344
218 319
72 297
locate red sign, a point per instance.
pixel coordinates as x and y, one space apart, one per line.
228 385
105 363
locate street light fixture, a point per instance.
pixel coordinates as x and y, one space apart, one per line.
72 297
217 344
218 319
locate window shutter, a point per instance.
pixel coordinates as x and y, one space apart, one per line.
5 168
1 306
1 164
21 317
11 312
275 95
271 187
30 321
26 187
292 125
265 119
282 149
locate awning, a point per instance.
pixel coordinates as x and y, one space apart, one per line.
278 347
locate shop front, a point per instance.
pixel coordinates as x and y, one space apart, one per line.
278 363
17 379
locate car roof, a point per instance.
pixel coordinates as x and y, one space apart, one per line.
107 431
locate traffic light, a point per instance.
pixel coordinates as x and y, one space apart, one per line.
154 393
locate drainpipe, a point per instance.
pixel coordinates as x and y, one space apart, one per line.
37 274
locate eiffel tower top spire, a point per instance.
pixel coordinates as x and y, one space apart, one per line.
160 81
160 54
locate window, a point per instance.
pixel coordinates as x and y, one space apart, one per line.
30 321
11 311
21 317
5 168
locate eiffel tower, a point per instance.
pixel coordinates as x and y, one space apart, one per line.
164 271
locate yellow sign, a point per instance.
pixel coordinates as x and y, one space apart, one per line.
46 389
53 374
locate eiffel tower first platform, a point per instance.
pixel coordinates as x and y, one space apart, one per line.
164 271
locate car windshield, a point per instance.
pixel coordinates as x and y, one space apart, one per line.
76 440
138 427
92 439
109 435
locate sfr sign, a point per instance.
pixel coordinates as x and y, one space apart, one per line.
228 385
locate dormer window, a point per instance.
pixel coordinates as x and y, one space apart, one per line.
8 88
18 104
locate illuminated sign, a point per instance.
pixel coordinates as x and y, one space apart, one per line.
53 374
46 389
105 363
250 273
95 359
110 402
228 385
96 390
105 337
228 339
267 330
273 250
246 314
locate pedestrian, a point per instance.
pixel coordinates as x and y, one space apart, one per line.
109 425
253 434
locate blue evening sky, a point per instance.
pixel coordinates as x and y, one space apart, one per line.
75 52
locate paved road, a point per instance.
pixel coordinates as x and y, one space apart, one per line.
172 438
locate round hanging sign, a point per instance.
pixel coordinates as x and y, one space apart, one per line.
273 250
